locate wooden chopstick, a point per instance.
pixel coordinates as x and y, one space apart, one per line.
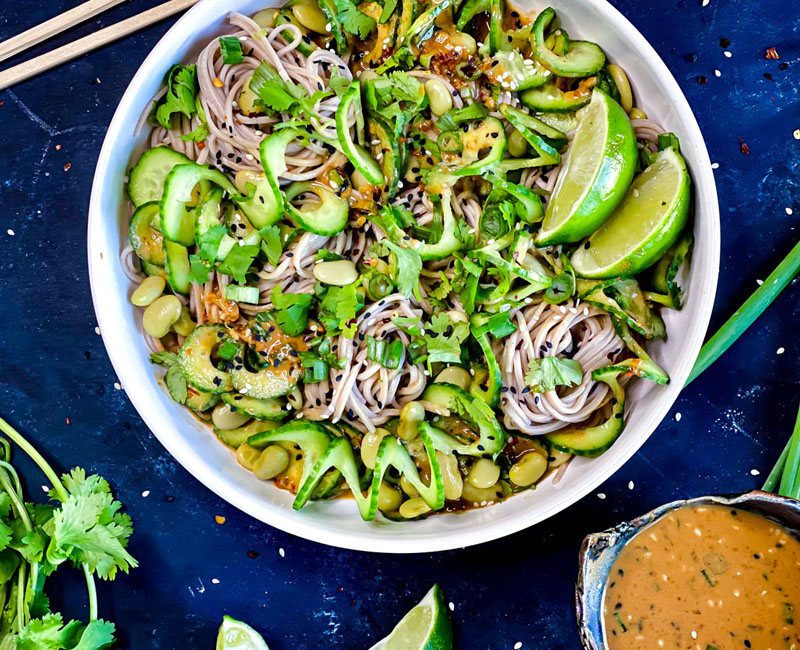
56 25
88 43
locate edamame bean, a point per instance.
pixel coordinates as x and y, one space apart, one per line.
623 86
245 176
272 461
338 273
517 144
439 96
150 289
249 104
389 498
247 455
370 444
637 114
310 16
414 508
483 474
184 325
265 17
529 469
481 496
160 315
295 398
224 418
457 316
408 487
451 477
557 458
410 416
379 286
456 376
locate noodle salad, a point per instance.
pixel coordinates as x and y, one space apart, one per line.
408 252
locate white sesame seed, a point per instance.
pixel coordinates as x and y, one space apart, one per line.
45 489
727 53
117 385
10 232
754 472
694 634
714 165
717 73
451 606
214 581
517 645
678 417
97 331
146 493
796 134
705 2
759 282
780 351
630 485
601 495
281 552
789 211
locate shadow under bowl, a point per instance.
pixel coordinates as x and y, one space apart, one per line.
600 550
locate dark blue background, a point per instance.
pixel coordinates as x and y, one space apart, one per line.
57 385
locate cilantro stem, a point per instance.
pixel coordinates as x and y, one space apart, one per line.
63 495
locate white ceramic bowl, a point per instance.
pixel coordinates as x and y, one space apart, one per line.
337 523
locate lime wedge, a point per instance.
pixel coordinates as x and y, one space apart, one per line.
235 635
599 167
426 627
647 222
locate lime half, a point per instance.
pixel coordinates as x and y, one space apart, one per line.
235 635
599 167
426 627
647 222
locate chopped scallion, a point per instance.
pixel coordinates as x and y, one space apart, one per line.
231 48
227 350
239 293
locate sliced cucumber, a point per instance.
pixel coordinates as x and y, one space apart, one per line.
472 410
386 150
146 180
194 358
177 220
266 383
200 401
178 267
153 269
551 99
328 217
208 212
145 236
471 9
356 154
261 409
494 381
260 204
449 242
580 59
273 160
234 438
488 134
510 67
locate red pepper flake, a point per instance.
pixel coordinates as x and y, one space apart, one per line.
772 53
702 80
68 421
219 519
67 167
201 145
783 66
339 588
724 42
2 102
58 147
745 149
252 554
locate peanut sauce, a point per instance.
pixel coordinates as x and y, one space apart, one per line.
705 578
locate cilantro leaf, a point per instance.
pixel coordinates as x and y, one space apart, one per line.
339 83
339 306
444 338
548 372
327 256
409 266
199 269
412 326
98 635
174 379
271 243
353 21
231 49
291 310
181 82
283 96
50 633
199 134
238 261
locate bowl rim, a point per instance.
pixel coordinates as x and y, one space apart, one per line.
286 519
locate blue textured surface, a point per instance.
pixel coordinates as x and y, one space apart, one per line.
53 366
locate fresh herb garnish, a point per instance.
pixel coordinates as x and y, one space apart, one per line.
174 379
238 261
291 311
498 325
271 243
443 339
85 528
353 21
199 134
409 266
549 372
339 307
283 96
231 49
181 83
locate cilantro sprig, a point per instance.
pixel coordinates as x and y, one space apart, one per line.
84 527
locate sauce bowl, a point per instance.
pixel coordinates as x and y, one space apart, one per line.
600 550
